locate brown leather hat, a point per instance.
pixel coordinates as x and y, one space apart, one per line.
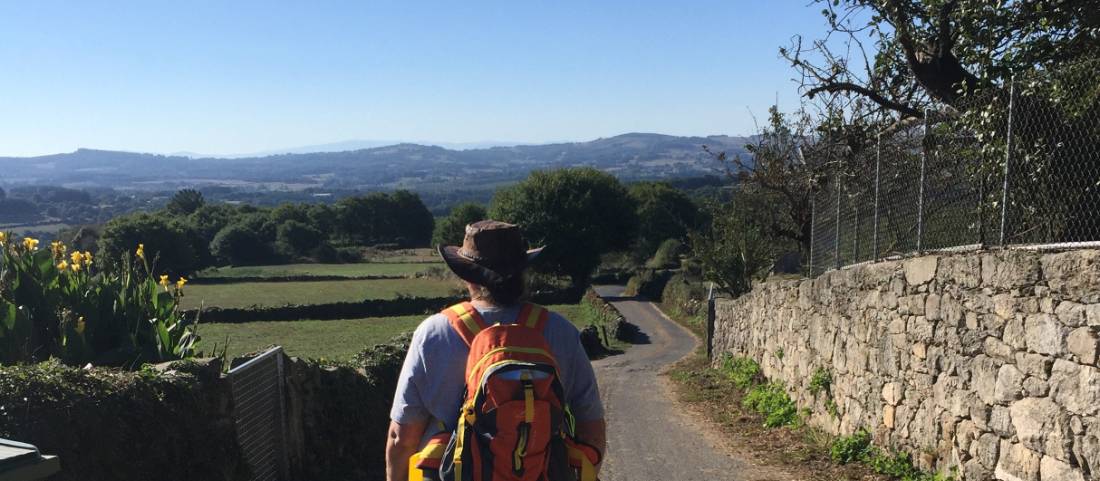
491 253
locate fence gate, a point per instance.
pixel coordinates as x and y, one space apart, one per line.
259 411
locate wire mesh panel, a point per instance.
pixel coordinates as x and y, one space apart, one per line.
259 411
1017 164
1054 172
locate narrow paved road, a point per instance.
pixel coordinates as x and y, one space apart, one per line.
649 438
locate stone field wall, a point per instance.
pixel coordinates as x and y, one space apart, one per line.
984 363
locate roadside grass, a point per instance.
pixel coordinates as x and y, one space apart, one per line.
347 270
274 294
330 340
759 417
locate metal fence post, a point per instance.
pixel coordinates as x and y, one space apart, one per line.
920 198
878 162
836 222
711 318
855 233
813 224
1008 157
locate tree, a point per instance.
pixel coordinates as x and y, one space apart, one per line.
170 243
412 220
185 202
735 249
295 238
663 213
451 230
238 244
905 54
790 159
578 214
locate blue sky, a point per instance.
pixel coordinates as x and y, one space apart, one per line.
226 77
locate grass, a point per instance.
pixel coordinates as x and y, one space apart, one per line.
331 340
273 294
425 254
347 270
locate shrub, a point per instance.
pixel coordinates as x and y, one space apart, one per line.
846 449
744 372
175 249
296 238
107 424
821 381
667 255
451 230
240 244
57 304
683 297
648 283
771 401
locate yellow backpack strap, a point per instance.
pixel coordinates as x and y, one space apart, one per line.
465 320
533 316
583 458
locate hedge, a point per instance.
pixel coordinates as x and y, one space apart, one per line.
402 306
107 424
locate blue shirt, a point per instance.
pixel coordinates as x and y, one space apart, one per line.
432 379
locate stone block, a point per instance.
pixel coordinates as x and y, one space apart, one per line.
1004 305
1008 269
1044 334
893 393
996 349
986 450
888 413
1036 365
1013 333
1035 387
1000 421
1051 469
963 270
1074 274
1010 384
1082 343
920 270
1042 426
932 306
1075 387
1016 463
983 377
1071 313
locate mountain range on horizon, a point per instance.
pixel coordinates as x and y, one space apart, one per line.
359 165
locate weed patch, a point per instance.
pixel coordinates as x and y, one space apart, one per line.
771 401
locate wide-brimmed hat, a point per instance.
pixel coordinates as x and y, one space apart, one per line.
491 253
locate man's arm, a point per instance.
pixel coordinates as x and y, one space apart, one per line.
401 443
593 433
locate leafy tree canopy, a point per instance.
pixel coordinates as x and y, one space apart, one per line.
578 214
185 202
451 230
663 213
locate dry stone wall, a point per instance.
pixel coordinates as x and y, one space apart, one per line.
981 363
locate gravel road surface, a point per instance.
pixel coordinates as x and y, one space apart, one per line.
649 437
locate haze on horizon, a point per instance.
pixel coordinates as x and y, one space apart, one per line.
220 78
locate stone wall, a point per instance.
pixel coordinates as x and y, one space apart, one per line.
983 363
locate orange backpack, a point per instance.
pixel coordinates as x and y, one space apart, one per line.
514 424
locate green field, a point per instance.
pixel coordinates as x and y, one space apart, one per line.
346 270
273 294
333 340
425 254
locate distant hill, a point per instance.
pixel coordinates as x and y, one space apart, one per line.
629 156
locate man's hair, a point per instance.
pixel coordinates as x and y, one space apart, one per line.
506 293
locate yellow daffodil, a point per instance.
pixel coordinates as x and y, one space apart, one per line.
58 249
181 282
30 243
75 267
87 258
164 280
76 257
141 251
80 325
62 266
3 238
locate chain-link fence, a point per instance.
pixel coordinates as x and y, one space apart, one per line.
1013 166
260 414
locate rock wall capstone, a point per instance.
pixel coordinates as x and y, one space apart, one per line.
980 363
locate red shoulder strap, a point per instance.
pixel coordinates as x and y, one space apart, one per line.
465 320
533 316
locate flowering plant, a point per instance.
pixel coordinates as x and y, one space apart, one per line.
54 303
